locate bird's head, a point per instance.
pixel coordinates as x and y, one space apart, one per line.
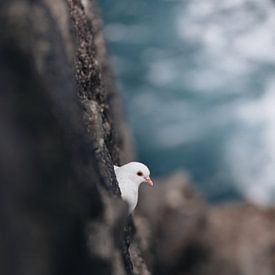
138 172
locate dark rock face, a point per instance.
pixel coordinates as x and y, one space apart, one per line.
58 144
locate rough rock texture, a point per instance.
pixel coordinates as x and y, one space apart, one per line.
60 206
121 135
96 90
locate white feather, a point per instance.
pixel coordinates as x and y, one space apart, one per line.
129 181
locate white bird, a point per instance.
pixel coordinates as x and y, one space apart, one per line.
129 177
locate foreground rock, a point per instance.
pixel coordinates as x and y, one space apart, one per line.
60 206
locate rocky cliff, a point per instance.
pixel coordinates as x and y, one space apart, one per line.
61 131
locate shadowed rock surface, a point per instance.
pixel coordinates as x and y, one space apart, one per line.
59 214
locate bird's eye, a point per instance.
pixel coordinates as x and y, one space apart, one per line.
139 173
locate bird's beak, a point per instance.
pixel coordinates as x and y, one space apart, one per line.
148 181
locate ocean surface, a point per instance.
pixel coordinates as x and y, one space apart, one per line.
197 79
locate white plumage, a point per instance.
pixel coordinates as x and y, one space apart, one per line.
129 177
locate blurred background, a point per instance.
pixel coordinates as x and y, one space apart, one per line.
198 79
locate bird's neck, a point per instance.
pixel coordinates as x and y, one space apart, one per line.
135 184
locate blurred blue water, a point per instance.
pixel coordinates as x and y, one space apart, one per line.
198 81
